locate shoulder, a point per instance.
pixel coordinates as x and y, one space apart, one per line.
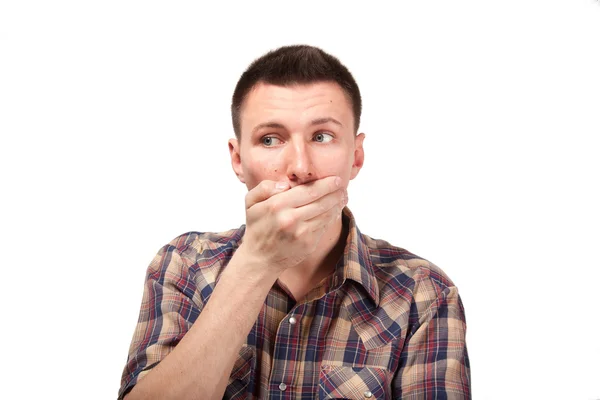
192 262
194 245
396 265
411 283
199 249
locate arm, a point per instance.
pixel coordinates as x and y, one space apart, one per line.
283 227
434 363
199 366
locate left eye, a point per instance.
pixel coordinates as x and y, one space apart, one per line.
323 137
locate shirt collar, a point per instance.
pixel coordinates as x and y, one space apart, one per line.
356 262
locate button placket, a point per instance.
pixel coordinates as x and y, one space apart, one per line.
284 344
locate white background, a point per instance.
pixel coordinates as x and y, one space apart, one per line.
481 117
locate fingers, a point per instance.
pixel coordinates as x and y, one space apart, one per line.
264 191
315 217
308 193
331 202
296 197
321 222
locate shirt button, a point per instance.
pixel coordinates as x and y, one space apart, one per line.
292 320
282 386
368 394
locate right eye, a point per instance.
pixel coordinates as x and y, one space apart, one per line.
269 141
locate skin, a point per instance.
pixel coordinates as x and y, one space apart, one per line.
297 184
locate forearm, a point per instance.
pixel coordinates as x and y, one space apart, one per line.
200 365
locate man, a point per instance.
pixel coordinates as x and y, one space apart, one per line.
296 303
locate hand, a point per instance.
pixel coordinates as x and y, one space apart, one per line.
284 226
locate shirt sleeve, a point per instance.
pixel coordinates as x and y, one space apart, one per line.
166 314
434 363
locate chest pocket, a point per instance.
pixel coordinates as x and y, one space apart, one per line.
336 382
241 373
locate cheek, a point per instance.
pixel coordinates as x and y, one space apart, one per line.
338 164
259 171
273 167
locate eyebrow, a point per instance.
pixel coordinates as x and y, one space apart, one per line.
321 121
277 125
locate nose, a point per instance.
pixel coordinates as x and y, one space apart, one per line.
300 168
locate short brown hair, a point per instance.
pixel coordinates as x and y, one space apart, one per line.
297 64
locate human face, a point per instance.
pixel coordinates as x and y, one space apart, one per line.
296 134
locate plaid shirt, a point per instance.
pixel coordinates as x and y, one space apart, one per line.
387 324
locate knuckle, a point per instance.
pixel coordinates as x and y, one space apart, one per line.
286 221
332 184
274 206
263 188
264 185
248 200
303 233
298 236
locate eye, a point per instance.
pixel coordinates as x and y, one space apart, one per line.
269 141
323 137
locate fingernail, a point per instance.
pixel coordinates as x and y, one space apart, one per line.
338 181
281 185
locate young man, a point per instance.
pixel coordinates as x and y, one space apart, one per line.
296 303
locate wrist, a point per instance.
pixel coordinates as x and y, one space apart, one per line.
250 266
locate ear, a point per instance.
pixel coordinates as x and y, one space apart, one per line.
359 155
236 161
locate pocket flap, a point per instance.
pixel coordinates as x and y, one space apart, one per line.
353 383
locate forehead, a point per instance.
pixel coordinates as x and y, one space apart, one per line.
295 103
